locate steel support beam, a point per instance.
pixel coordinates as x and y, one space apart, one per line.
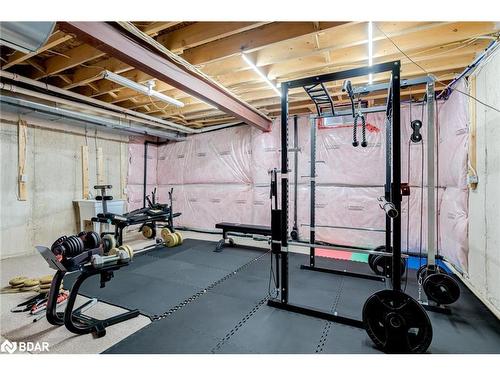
112 41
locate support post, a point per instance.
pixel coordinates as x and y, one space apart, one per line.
100 166
85 172
284 194
145 181
295 172
396 176
22 134
431 189
472 133
312 186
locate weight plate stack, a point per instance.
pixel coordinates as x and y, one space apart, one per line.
164 233
171 240
180 240
397 323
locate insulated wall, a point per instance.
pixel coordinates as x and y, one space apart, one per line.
223 176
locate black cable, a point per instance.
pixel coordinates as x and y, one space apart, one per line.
355 142
426 72
437 213
363 131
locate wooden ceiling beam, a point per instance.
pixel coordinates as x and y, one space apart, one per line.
186 37
18 57
254 39
239 81
355 53
350 35
73 57
155 27
118 45
203 32
445 63
351 39
267 98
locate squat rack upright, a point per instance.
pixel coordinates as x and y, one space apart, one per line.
429 83
392 193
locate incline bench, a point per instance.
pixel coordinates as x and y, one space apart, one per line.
239 228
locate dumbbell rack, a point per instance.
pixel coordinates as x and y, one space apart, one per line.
73 319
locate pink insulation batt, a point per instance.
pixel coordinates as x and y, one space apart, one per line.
223 176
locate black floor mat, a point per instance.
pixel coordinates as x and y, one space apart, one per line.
160 279
232 316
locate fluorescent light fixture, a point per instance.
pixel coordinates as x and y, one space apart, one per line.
146 90
262 75
370 49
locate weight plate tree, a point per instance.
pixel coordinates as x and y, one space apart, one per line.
438 286
406 326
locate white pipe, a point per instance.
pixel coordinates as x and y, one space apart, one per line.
86 118
124 113
35 94
150 119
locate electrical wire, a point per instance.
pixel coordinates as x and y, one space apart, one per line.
426 72
157 107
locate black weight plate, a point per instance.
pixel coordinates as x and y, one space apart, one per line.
396 323
423 271
379 262
57 243
92 240
441 288
371 257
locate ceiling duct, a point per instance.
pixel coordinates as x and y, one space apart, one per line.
25 37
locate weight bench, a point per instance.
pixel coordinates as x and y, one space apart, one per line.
238 228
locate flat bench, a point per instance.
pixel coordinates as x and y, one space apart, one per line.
238 228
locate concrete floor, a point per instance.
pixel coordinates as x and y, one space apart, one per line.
20 326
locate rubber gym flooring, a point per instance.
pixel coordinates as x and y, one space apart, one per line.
205 302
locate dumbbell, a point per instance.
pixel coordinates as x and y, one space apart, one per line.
123 254
91 240
68 247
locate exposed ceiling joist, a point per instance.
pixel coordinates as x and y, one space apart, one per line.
118 45
70 59
203 32
155 27
18 57
253 40
297 65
